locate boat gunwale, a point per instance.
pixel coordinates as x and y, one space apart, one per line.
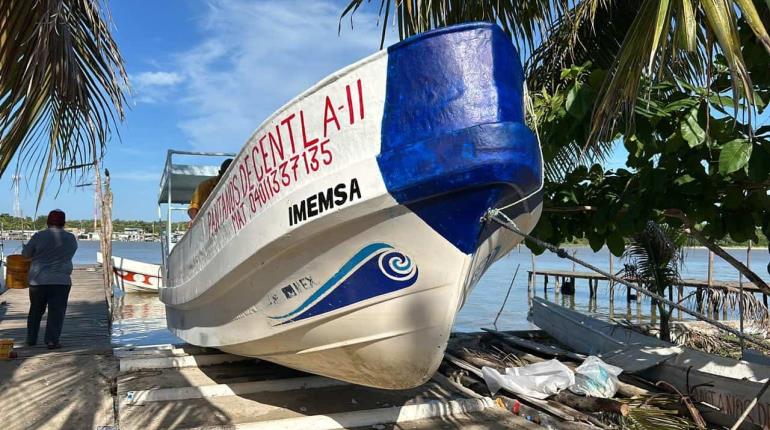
742 366
329 79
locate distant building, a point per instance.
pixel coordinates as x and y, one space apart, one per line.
129 234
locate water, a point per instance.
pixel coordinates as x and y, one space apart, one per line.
485 301
140 318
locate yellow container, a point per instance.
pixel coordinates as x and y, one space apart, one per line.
17 271
6 346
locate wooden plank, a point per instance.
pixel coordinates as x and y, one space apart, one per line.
85 324
131 364
371 417
546 350
219 390
731 286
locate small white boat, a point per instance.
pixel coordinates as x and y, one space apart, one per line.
347 232
136 276
726 383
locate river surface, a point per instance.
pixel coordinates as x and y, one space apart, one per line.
140 319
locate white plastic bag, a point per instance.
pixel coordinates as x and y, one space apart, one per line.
538 380
595 378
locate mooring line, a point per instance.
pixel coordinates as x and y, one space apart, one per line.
499 217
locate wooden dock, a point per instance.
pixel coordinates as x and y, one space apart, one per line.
593 277
701 287
89 385
65 388
86 323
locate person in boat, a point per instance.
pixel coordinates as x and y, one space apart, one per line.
51 251
204 189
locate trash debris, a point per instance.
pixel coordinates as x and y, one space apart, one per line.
595 378
538 380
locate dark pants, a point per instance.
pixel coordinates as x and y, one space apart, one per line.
40 296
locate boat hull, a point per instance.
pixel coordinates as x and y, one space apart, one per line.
134 276
728 384
356 270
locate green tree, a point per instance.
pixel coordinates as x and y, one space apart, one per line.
634 41
690 163
656 255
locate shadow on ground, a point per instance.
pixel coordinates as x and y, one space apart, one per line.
65 389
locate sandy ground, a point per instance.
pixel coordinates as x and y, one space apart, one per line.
57 391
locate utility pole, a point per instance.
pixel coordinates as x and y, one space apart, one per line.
16 202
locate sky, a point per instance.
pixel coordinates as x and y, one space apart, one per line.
204 75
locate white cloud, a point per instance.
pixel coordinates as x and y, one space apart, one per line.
154 87
256 56
162 79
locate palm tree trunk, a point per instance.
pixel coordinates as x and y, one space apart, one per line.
665 318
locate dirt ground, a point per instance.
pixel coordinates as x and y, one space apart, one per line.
57 391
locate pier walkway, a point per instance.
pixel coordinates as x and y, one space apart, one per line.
593 277
86 322
64 388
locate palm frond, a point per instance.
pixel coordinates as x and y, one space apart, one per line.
62 84
639 42
656 257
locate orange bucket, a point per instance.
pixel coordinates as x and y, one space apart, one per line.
17 271
6 346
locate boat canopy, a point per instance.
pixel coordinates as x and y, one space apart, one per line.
180 180
177 185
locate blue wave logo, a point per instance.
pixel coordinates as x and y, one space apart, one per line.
376 269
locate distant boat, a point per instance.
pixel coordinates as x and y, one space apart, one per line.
134 276
348 231
726 383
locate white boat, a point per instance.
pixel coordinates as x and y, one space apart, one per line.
136 276
727 384
347 232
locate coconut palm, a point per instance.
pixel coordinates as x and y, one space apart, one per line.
636 40
62 85
656 254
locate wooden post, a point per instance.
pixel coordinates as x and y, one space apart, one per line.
105 197
699 299
611 285
534 273
724 310
748 256
740 299
530 275
679 296
545 285
612 299
653 312
711 306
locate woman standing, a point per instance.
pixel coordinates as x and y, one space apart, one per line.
51 251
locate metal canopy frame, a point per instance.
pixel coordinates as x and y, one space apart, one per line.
177 184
